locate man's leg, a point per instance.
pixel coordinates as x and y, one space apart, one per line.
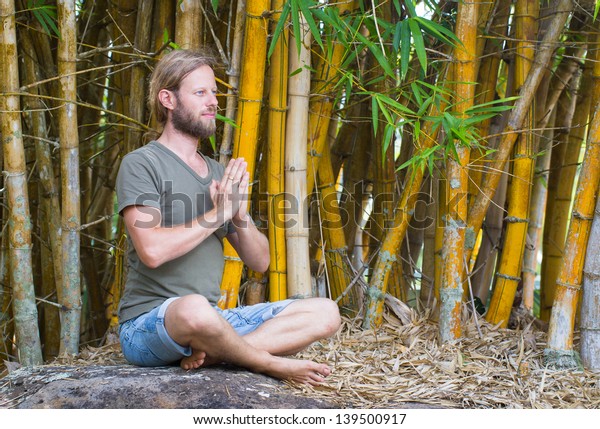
191 321
297 326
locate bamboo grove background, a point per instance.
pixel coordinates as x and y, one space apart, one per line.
442 154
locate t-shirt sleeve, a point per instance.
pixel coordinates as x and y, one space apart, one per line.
137 183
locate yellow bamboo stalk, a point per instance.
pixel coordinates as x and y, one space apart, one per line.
453 255
517 117
508 275
298 259
336 255
394 236
558 217
69 151
245 139
15 182
275 159
188 23
560 351
489 67
322 100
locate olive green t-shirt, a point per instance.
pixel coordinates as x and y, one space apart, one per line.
155 176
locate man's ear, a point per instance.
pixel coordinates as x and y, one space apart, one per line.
167 98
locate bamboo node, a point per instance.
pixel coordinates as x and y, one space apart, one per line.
514 219
9 174
508 277
249 100
591 276
280 110
569 285
581 216
340 250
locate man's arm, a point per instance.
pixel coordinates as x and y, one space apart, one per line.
156 244
251 245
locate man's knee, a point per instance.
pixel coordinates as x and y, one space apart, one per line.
327 318
331 315
194 315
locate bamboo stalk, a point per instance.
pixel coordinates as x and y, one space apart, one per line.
336 255
69 151
519 191
19 220
536 217
590 308
395 235
453 260
163 22
323 98
517 117
188 23
298 259
558 217
7 330
245 140
489 67
234 76
50 205
426 293
275 159
559 352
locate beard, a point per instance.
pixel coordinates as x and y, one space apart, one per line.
186 122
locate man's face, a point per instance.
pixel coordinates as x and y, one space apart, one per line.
196 104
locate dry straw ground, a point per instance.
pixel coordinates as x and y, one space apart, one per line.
488 368
403 362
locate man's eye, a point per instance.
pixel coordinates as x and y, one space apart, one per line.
200 92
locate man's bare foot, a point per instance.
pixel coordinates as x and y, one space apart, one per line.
299 371
193 361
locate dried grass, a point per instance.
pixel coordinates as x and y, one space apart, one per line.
404 363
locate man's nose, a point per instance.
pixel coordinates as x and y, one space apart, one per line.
212 100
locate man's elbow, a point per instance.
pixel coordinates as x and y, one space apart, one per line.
262 265
150 259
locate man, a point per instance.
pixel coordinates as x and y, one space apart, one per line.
177 206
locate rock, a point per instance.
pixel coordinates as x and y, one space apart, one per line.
127 386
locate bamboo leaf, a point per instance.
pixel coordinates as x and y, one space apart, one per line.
438 31
387 138
296 24
306 12
215 5
379 56
404 49
396 40
279 28
374 113
419 43
411 8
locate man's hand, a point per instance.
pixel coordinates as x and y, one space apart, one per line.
230 196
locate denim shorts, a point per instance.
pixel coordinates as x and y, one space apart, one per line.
145 341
